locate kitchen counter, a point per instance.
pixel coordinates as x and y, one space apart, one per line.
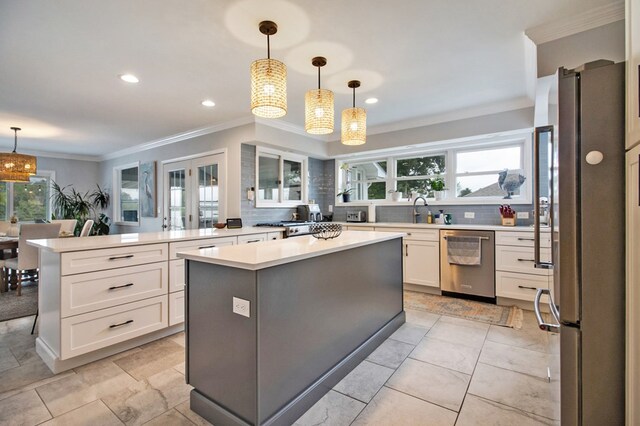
439 226
278 252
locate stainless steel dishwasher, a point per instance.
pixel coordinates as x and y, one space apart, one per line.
473 276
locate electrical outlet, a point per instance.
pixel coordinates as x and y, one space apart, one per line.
523 215
241 307
469 215
330 208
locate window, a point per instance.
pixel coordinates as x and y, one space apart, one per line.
368 180
127 195
281 178
415 174
29 201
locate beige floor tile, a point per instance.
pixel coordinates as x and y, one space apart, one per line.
152 359
34 385
333 409
464 322
178 338
23 375
171 417
528 338
446 354
149 398
17 338
409 333
95 413
421 318
391 353
185 410
393 408
22 409
364 381
180 368
19 325
437 385
517 359
458 334
481 412
7 360
527 393
26 354
91 382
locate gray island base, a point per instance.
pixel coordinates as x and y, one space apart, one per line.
311 321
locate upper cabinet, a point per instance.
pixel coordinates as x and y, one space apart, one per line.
281 179
632 15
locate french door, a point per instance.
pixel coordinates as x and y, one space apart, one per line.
194 193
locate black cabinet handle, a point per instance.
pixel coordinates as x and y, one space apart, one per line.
204 247
527 288
525 239
253 241
525 260
128 256
121 324
120 286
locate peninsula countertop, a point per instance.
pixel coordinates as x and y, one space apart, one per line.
418 226
262 255
61 245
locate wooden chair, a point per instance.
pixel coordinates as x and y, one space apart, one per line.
68 226
26 264
86 228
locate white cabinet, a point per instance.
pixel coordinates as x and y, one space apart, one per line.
176 308
175 248
633 286
361 228
632 11
256 238
274 236
77 262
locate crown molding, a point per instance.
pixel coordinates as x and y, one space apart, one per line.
291 128
62 156
178 138
578 23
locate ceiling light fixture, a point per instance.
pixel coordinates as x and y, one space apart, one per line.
16 167
371 101
354 121
129 78
208 103
268 81
318 105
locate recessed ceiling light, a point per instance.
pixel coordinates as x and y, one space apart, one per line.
208 103
129 78
371 101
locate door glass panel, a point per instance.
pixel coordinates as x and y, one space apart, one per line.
291 180
268 178
177 200
208 196
129 195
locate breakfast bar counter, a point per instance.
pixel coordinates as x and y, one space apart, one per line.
271 327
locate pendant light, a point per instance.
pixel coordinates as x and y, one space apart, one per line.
354 121
16 167
268 81
318 105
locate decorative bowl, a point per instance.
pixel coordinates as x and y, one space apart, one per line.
326 231
219 225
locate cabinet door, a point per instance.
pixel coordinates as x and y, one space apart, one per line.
633 285
254 238
633 72
422 263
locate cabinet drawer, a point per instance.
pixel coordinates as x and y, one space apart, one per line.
85 333
523 239
198 244
415 234
79 262
176 275
256 238
83 293
176 308
358 228
520 286
520 259
274 236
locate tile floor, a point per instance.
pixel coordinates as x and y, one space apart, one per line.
435 370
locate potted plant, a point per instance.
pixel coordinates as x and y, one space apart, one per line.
346 195
395 195
71 204
437 186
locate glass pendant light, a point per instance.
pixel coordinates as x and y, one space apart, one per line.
16 167
354 121
318 105
268 81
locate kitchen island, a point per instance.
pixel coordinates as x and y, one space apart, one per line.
271 327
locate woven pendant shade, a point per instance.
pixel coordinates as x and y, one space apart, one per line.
268 88
16 167
354 126
318 111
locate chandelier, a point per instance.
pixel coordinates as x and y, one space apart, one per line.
16 167
354 121
268 81
318 106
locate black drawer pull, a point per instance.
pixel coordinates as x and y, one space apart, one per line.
525 260
204 247
128 256
525 239
120 286
121 324
253 241
527 288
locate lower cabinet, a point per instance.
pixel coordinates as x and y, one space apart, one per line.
176 308
422 262
247 239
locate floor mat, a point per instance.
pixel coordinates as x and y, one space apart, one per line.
12 306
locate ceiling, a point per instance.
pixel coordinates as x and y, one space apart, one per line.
421 58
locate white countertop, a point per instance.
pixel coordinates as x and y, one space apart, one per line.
439 226
60 245
277 252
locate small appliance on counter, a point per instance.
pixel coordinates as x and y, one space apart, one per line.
356 216
309 213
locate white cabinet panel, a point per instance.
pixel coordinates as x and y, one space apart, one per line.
422 263
523 239
256 238
520 259
174 248
274 235
633 285
78 262
176 308
520 286
358 228
413 234
176 275
632 22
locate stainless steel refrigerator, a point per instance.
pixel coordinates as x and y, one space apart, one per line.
579 166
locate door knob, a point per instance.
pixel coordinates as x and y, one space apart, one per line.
594 157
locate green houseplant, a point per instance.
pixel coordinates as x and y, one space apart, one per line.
71 204
437 185
346 194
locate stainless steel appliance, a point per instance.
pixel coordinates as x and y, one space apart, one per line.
292 228
309 212
356 216
582 172
475 281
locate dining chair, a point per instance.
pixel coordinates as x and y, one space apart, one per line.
26 264
86 229
4 226
68 225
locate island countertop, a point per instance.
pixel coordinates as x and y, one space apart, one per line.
61 245
260 255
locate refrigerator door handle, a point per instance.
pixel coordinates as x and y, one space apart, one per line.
536 197
554 328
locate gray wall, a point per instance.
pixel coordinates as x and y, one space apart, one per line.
82 175
605 42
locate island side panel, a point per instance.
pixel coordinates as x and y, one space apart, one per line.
315 312
222 345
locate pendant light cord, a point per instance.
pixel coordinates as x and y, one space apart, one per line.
15 140
268 48
354 97
318 78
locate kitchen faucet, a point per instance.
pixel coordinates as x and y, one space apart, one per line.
415 211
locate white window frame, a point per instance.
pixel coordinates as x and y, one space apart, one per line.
117 175
397 178
282 156
352 181
51 175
